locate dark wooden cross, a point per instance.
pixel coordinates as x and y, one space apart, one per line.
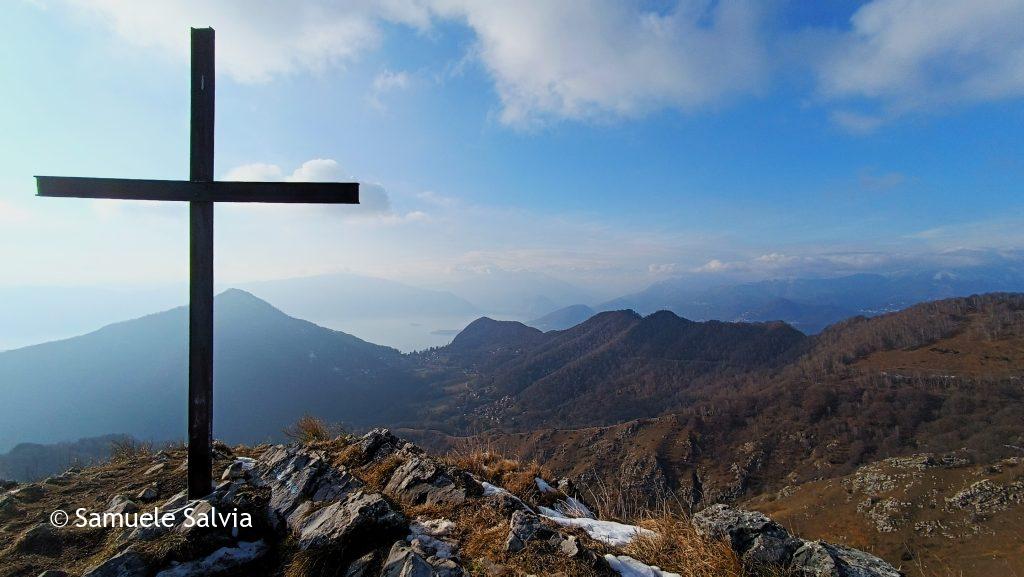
200 191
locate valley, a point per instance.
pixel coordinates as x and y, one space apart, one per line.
638 410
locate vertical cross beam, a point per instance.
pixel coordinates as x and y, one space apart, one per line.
200 340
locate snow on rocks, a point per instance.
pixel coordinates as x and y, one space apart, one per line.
491 490
544 487
427 537
316 495
223 559
573 507
629 567
607 532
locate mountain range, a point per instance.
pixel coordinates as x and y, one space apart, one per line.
811 304
616 367
643 407
411 318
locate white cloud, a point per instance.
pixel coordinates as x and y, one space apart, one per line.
816 263
436 199
259 39
856 122
716 265
663 268
592 59
911 55
374 201
385 82
315 170
571 59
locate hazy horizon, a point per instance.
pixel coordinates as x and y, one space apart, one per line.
758 141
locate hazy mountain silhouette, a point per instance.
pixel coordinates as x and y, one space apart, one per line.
811 304
36 314
518 294
33 461
563 318
344 296
132 376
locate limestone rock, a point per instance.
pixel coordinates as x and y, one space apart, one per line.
760 541
402 561
127 563
754 537
298 478
121 505
821 559
378 444
523 528
29 493
41 539
421 480
362 567
148 494
360 516
8 506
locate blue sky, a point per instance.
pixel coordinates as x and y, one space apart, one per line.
609 144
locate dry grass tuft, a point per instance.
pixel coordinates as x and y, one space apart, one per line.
313 564
309 429
128 450
482 533
678 548
512 475
631 504
377 474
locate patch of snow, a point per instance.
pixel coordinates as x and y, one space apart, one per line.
572 507
607 532
426 536
220 560
551 513
544 486
630 567
247 463
490 489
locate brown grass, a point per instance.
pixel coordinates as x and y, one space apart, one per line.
678 548
128 450
312 563
377 474
630 504
309 429
510 474
482 532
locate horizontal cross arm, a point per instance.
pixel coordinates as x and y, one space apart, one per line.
185 190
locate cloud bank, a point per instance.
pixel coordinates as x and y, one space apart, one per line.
603 59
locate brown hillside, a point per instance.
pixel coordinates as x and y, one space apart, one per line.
940 517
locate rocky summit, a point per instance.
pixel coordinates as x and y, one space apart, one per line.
378 506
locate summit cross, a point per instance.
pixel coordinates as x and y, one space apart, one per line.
200 191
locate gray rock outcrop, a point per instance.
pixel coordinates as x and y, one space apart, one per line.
758 540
